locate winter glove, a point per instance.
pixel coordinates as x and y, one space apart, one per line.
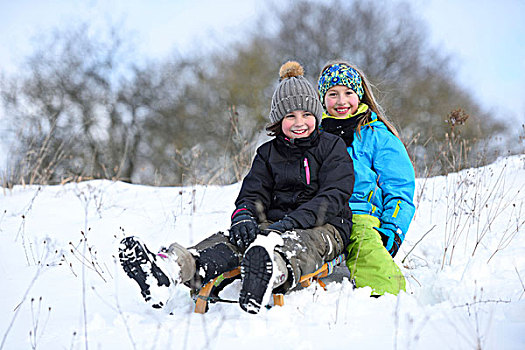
391 236
244 228
281 226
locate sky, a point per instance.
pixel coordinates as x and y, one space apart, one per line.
464 264
486 38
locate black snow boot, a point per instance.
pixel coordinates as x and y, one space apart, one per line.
140 265
256 274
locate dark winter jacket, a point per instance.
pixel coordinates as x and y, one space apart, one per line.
308 179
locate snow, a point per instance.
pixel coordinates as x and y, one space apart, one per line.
62 285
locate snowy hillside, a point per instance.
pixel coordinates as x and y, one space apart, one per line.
62 287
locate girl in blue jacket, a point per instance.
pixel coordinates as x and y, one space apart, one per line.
382 200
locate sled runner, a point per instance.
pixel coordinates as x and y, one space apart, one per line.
204 295
201 301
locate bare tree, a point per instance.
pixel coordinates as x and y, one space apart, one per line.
83 109
66 102
414 82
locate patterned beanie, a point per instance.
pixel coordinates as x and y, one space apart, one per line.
294 93
340 74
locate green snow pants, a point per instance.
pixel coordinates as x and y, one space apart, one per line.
369 262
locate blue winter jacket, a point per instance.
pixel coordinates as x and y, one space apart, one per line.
384 177
384 180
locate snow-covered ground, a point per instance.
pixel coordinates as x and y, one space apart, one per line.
62 286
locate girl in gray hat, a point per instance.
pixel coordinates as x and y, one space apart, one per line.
291 215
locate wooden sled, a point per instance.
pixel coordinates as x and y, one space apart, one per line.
202 299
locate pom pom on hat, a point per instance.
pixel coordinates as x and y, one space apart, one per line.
291 69
294 93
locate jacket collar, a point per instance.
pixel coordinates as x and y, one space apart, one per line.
303 142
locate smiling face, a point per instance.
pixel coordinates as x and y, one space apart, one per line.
298 124
341 101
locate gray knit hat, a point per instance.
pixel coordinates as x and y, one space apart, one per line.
294 93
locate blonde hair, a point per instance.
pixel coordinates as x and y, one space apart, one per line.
368 99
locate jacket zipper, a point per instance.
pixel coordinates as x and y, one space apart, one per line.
396 211
369 200
307 170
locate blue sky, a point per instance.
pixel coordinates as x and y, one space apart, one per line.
487 38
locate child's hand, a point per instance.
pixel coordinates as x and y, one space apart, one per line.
283 225
244 228
391 236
